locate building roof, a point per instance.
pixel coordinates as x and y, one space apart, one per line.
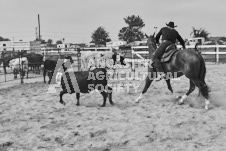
218 40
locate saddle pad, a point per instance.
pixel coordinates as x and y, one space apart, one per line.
170 47
168 55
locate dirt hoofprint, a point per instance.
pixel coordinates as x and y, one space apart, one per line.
32 119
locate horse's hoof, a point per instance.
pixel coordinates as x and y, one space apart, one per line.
137 101
180 102
177 97
112 103
63 103
77 104
102 106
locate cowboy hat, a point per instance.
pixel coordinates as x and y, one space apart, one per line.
171 24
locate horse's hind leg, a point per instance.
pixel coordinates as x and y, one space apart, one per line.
204 91
191 89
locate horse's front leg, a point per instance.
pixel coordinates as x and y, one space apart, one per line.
148 82
27 73
169 85
44 75
4 66
171 89
191 89
61 96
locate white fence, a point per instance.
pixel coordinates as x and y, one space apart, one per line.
216 50
96 49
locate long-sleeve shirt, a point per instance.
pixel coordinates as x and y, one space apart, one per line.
169 34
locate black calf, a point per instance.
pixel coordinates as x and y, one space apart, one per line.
85 82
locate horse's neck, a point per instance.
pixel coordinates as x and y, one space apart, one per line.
151 49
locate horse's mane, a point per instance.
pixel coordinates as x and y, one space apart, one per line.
151 41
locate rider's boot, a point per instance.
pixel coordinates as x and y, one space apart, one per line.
160 72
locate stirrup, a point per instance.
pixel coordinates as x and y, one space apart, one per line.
160 77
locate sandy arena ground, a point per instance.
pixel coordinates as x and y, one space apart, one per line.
33 120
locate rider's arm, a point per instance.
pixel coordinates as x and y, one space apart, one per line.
158 36
181 41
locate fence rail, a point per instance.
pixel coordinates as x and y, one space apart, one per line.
216 53
6 73
211 53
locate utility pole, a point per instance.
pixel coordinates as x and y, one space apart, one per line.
155 29
39 36
36 33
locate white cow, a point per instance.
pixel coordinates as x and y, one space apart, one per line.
93 58
88 59
98 59
17 64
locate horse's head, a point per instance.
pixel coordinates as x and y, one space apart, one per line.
5 58
151 40
151 43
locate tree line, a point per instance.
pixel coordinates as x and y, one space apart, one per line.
130 33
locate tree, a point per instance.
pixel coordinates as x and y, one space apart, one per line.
43 41
201 32
4 39
59 42
100 36
49 43
132 32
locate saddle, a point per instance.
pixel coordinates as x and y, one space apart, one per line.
169 52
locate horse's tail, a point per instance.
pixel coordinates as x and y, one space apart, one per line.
203 88
202 73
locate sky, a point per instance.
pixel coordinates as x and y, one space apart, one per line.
76 20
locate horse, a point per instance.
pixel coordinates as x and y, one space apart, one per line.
19 65
50 65
34 61
186 62
5 58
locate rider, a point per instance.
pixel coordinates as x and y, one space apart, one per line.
169 37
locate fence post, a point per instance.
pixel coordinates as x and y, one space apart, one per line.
44 55
78 60
3 63
217 54
21 67
132 61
